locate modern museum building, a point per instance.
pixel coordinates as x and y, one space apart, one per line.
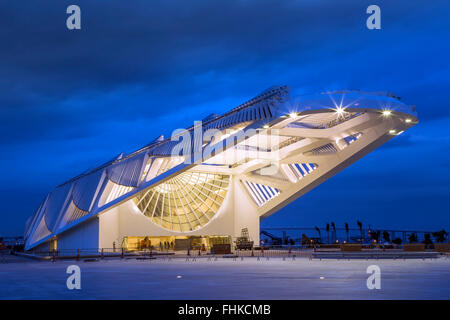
208 183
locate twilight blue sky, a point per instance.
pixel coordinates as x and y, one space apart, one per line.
70 100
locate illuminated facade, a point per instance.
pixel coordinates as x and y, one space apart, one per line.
221 176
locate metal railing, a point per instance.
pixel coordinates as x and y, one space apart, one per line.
267 252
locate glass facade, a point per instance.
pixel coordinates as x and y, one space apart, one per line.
186 202
173 243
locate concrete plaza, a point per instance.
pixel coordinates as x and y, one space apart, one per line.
225 279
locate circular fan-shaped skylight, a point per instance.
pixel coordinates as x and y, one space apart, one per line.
186 202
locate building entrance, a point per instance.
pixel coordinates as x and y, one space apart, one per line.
173 243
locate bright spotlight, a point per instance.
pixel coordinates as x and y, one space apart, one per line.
293 114
340 111
408 120
387 113
392 131
266 126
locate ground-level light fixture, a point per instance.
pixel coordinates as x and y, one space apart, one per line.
293 114
408 120
392 131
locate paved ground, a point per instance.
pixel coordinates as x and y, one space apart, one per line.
225 279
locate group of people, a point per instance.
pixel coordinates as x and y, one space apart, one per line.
146 243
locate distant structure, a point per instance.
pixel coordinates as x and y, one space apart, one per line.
263 155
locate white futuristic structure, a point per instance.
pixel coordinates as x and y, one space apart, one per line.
212 180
